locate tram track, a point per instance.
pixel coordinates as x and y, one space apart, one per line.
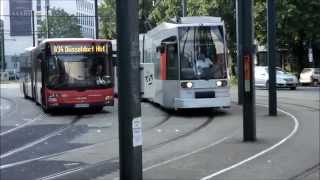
10 165
114 166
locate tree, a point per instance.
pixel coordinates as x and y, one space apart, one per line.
61 25
298 27
107 12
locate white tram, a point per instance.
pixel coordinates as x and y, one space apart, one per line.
184 64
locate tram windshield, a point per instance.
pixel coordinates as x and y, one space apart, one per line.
202 53
78 71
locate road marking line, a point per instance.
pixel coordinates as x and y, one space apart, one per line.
5 166
296 126
63 173
22 148
188 154
23 125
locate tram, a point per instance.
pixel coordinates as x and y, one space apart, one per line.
68 72
184 64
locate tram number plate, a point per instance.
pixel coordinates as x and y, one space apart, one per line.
81 105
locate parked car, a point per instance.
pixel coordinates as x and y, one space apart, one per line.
283 78
310 76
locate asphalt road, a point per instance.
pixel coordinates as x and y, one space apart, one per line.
197 144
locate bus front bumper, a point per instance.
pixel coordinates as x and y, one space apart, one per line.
218 102
81 105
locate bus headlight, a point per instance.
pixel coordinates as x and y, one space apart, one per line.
108 98
186 84
219 83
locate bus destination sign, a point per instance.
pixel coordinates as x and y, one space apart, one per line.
74 49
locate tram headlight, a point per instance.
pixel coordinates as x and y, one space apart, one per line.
219 83
186 84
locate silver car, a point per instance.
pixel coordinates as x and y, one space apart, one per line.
310 76
284 79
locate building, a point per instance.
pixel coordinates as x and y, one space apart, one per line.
17 24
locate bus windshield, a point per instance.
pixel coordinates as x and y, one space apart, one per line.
202 53
79 71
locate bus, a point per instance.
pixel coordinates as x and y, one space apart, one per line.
69 72
184 64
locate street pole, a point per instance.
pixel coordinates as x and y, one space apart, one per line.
2 46
130 130
96 18
184 7
33 29
47 15
272 57
239 21
246 52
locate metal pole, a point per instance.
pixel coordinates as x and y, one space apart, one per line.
184 7
2 46
96 20
130 131
33 29
272 58
249 114
239 8
47 15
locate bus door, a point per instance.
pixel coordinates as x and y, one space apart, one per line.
38 78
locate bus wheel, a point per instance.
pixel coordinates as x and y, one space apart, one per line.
45 108
24 92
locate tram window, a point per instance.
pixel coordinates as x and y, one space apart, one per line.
172 72
202 53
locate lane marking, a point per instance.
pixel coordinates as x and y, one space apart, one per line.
26 146
5 166
22 148
23 125
63 173
296 126
188 154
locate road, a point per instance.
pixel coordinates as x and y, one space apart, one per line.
197 144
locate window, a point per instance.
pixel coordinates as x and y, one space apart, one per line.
38 5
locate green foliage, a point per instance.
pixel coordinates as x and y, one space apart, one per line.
298 21
62 25
107 12
298 26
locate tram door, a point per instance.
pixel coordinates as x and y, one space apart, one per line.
169 73
169 61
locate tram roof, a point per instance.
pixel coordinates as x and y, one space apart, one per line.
199 20
187 22
30 48
53 40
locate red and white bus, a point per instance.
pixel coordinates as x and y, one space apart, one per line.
69 72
